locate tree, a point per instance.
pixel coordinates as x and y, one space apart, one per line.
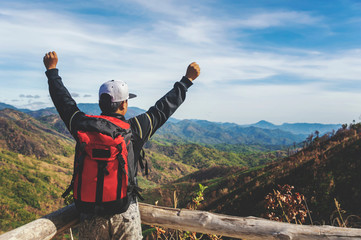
317 133
309 139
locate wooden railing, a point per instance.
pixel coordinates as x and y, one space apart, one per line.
183 219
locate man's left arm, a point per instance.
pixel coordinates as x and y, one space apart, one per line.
146 124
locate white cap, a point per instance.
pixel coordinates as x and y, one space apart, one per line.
118 90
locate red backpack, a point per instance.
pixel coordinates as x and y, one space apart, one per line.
104 170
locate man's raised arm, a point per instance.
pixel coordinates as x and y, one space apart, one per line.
64 103
157 115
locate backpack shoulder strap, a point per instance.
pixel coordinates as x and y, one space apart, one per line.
107 125
142 160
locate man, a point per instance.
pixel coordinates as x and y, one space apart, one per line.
113 101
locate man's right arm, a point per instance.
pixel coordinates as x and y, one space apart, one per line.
64 103
73 118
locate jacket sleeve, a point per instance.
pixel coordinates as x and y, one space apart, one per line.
64 103
146 124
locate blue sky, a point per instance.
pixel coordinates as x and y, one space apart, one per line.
280 61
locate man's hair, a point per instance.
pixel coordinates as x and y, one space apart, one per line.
106 104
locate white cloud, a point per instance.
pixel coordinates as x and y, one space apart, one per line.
153 54
276 19
171 8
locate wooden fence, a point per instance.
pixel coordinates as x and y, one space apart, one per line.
183 219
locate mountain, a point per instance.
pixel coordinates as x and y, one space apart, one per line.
264 124
298 128
88 108
205 132
43 112
4 105
328 169
302 128
23 134
212 133
194 131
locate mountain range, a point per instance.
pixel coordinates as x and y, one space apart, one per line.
212 133
298 128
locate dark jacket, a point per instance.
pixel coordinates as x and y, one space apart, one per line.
143 126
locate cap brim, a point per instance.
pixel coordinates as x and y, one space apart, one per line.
131 95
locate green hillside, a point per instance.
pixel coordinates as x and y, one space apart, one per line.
23 134
200 156
322 172
205 132
30 188
36 165
329 168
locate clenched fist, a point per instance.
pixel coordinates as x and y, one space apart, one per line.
193 71
50 60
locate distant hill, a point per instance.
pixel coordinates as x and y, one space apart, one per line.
88 108
4 105
43 112
298 128
23 134
205 132
264 124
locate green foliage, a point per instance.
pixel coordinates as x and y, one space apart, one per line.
69 198
25 190
145 183
200 157
198 197
156 232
